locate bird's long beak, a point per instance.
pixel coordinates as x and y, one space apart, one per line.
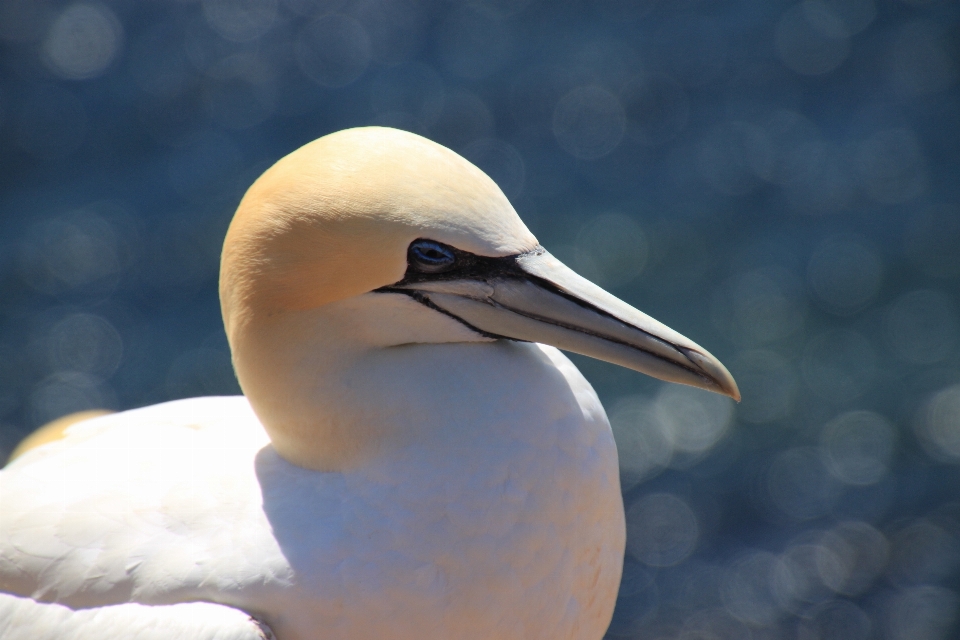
536 298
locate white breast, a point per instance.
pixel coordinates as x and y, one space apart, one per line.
501 528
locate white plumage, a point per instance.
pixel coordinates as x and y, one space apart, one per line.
397 471
23 618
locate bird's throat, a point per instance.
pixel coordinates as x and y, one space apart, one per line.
337 388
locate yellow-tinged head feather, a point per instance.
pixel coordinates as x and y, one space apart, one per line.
333 220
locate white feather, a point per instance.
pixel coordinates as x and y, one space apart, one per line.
505 526
26 619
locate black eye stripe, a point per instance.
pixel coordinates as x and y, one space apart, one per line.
465 265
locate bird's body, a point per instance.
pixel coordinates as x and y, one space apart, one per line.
407 461
512 513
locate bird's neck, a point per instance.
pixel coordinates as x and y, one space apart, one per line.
335 391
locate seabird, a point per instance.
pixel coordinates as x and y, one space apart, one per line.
410 458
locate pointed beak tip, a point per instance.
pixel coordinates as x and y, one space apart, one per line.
733 392
725 386
714 371
728 386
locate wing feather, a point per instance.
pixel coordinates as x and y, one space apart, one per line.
153 505
25 619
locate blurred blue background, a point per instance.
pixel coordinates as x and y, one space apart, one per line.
776 180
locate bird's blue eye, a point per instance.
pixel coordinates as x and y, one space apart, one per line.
431 257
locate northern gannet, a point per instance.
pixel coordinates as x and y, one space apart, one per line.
409 460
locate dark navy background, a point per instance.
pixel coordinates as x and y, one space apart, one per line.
776 180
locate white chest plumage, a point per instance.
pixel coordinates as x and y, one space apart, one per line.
506 530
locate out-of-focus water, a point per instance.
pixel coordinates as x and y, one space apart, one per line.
777 180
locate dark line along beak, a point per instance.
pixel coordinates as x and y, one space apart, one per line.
534 297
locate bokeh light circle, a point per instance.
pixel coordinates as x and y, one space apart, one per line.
589 122
643 443
811 39
501 161
759 306
656 108
857 447
939 425
845 273
82 41
768 384
662 530
695 419
611 250
333 50
240 20
851 557
748 589
796 578
86 343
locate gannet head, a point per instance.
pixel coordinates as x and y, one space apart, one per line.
367 215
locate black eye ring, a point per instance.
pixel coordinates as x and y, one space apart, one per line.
428 256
